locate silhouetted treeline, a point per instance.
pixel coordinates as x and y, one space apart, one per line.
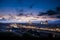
51 12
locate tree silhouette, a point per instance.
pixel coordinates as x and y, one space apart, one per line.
20 12
41 13
51 12
31 6
58 9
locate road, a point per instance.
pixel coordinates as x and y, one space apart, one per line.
37 28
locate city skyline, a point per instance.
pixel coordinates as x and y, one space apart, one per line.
47 8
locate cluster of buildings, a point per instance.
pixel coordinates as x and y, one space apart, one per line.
27 19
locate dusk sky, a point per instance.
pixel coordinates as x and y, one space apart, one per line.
12 6
29 6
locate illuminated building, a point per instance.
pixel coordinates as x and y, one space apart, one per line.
30 22
14 25
44 22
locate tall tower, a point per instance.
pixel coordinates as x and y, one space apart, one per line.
46 22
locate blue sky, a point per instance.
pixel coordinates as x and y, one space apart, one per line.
8 6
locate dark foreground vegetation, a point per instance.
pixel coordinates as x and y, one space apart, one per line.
11 35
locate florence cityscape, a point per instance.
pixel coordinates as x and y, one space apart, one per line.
30 19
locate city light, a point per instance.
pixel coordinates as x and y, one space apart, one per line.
26 19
